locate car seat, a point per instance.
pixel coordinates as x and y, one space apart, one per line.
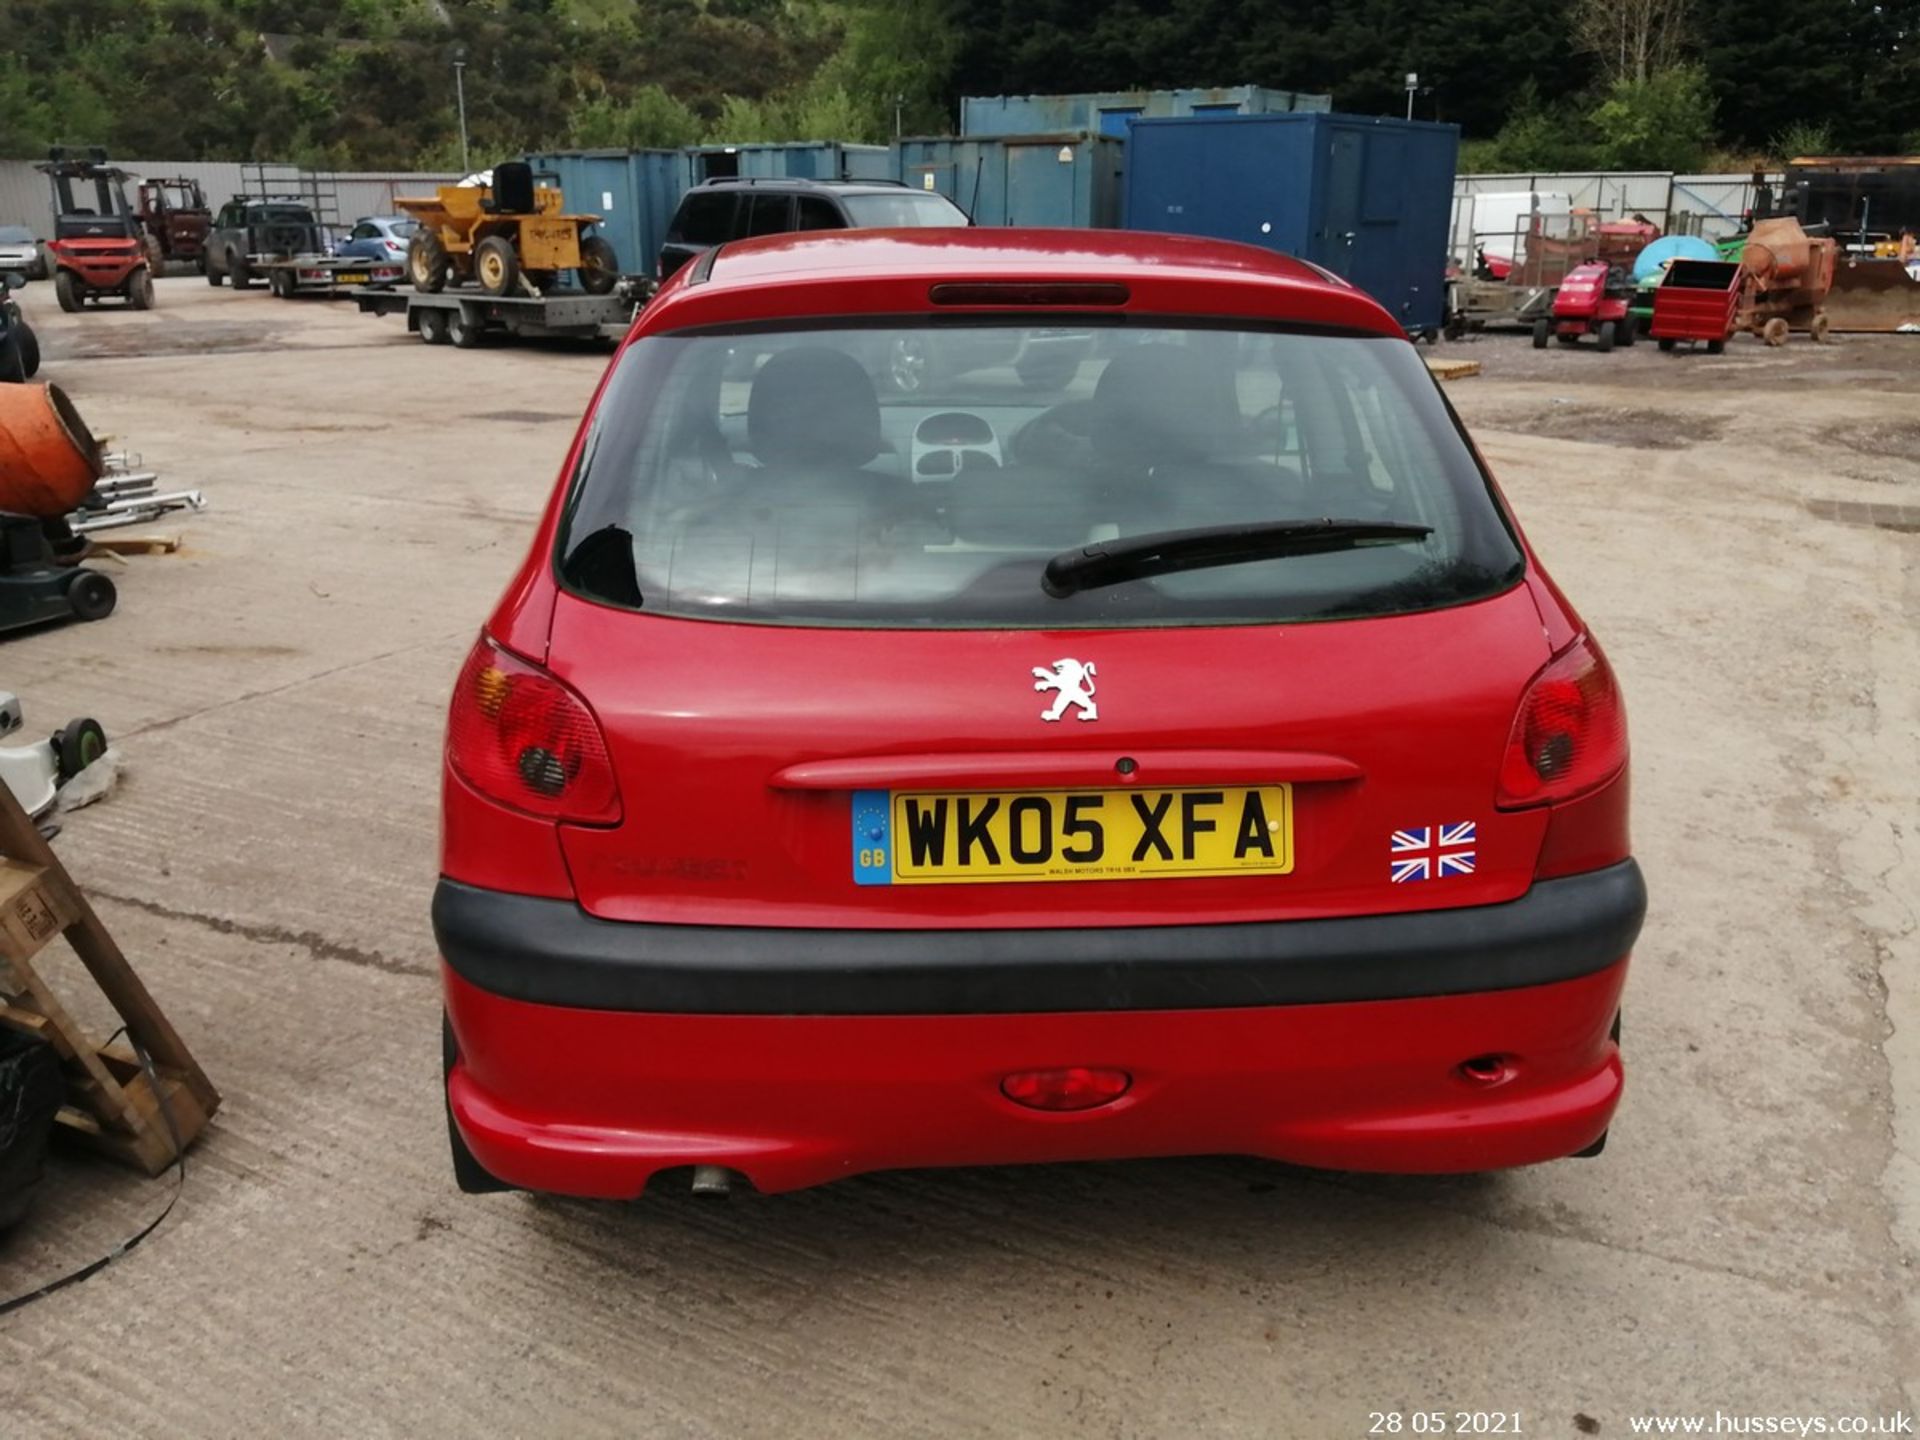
813 412
1159 404
1166 427
512 189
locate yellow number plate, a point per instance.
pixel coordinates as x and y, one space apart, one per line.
957 837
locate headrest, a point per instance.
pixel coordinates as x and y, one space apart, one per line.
1158 402
813 406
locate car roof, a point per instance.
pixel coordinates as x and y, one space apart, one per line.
803 182
875 272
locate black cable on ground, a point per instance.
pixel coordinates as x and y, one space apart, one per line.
74 1277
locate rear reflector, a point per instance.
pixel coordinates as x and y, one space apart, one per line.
522 739
1075 1087
1570 735
1026 293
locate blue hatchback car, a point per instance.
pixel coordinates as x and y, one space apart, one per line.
378 237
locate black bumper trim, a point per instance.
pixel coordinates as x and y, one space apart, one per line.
551 952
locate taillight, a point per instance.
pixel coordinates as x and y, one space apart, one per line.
1571 733
520 737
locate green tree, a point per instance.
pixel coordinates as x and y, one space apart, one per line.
650 118
1664 122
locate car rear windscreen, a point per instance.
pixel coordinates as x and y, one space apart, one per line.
907 209
923 474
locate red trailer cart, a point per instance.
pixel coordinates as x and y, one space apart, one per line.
1695 302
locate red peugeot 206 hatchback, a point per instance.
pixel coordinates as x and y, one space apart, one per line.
1135 727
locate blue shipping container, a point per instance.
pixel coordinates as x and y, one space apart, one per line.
634 191
1057 180
795 160
1367 198
637 191
1110 112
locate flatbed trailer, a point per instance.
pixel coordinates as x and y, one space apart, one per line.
462 316
327 274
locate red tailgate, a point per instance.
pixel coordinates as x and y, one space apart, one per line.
739 748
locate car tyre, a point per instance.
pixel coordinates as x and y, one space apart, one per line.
427 263
1716 347
280 282
1541 330
1608 336
469 1174
432 326
13 364
1666 346
238 275
67 291
140 290
91 595
29 349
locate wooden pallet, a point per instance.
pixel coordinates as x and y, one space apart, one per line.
1454 369
111 1103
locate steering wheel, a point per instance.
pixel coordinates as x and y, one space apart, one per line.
1054 436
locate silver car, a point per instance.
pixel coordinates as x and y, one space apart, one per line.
20 251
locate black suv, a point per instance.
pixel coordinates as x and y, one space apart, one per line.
250 230
732 209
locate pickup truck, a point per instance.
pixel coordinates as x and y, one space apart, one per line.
250 232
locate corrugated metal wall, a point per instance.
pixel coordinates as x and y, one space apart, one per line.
1108 112
26 200
1709 205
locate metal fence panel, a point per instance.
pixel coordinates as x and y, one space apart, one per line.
26 200
1709 205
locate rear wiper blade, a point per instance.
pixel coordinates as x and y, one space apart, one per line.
1134 557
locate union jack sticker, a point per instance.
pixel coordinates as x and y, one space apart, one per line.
1432 852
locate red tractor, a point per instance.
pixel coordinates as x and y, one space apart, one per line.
97 247
173 214
1592 300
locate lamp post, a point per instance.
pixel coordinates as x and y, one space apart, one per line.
1413 84
460 98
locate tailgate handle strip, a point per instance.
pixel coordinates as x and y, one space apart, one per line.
1063 769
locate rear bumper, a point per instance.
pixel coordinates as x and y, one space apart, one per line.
551 952
595 1102
592 1054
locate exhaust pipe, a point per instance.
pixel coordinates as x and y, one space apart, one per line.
712 1181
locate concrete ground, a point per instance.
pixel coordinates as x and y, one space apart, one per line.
1746 1244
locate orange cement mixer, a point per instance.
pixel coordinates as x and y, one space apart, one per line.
49 460
1786 274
